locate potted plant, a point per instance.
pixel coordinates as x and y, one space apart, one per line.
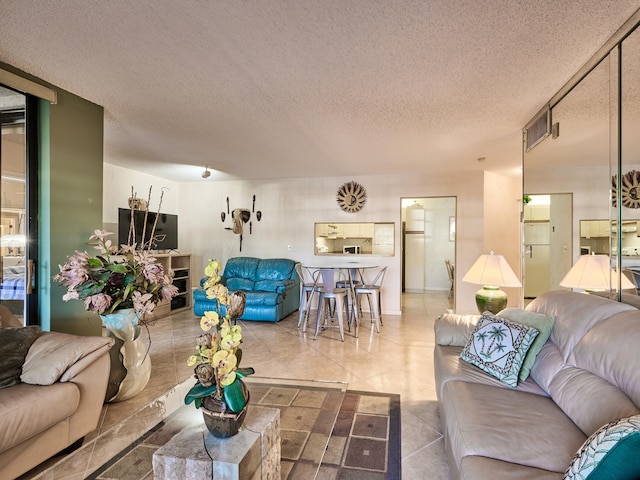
219 391
115 279
121 284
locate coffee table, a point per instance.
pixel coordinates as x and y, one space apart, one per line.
308 413
253 453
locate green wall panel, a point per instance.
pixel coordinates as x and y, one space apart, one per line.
70 200
75 198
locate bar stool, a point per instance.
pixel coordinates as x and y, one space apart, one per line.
306 294
326 293
372 291
352 281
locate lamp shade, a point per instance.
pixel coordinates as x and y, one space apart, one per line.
593 272
492 270
13 240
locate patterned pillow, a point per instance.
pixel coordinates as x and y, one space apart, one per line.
498 346
611 452
543 323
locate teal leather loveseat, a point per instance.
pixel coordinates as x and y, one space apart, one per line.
271 285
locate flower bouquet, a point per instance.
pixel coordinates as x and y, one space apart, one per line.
116 278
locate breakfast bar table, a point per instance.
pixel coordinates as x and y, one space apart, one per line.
327 271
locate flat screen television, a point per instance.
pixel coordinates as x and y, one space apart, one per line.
166 235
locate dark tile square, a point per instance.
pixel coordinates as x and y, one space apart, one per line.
375 426
350 402
343 424
366 453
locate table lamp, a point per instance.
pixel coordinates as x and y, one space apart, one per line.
13 242
592 273
491 271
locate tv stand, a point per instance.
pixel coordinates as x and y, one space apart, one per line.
180 263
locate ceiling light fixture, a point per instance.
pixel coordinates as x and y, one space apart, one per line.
206 173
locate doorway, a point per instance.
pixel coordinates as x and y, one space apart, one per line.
18 157
429 247
548 251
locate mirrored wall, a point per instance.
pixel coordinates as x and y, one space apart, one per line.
592 152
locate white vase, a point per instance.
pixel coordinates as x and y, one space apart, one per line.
130 361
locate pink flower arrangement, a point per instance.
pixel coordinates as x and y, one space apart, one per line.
116 278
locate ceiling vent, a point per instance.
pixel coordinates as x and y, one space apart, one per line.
538 129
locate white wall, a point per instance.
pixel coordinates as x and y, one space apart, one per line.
291 206
502 227
117 190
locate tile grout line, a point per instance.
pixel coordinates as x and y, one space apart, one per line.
423 448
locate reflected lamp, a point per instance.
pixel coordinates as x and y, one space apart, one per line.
492 272
592 273
13 243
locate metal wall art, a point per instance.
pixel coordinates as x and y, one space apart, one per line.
351 197
240 216
630 191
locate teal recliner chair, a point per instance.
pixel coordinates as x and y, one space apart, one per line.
271 285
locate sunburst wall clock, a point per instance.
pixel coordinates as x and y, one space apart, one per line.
351 197
630 191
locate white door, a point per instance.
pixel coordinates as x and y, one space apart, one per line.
537 254
536 267
414 263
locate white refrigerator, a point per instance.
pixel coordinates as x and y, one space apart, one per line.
537 253
414 250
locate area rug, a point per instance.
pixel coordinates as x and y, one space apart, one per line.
325 434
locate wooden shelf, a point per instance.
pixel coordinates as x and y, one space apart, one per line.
181 266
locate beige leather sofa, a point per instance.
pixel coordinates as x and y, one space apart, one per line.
58 401
586 375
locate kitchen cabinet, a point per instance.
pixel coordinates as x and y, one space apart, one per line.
594 228
537 213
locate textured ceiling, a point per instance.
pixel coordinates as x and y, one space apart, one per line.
263 89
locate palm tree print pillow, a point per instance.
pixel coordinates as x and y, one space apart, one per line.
498 346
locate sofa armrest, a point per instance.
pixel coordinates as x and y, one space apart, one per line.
55 356
454 329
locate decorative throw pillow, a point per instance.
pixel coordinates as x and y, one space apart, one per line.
498 346
14 345
611 452
543 323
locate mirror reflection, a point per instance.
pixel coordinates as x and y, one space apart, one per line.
593 154
337 238
627 243
600 235
13 218
571 166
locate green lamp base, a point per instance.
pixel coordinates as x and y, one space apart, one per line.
491 299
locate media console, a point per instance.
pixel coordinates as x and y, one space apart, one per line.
181 266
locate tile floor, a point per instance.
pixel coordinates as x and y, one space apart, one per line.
399 359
